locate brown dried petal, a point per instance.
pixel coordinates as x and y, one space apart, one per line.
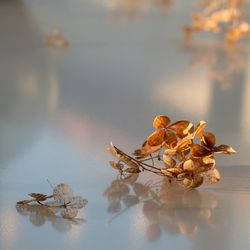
161 121
224 149
199 128
157 138
170 151
212 176
208 139
188 165
170 139
182 176
169 162
145 151
194 182
182 128
200 151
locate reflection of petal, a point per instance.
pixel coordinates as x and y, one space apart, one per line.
78 202
62 225
69 213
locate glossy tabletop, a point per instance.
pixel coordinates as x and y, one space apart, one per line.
60 108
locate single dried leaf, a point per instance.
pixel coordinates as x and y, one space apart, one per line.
225 149
122 156
169 162
161 121
200 151
199 128
182 128
208 139
157 138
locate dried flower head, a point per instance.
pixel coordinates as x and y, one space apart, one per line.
184 153
64 201
56 39
220 16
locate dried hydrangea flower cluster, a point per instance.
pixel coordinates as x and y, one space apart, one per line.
188 153
220 15
164 205
63 201
56 39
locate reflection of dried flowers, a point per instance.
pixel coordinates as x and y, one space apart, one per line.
220 16
38 215
224 63
63 201
56 39
166 206
183 159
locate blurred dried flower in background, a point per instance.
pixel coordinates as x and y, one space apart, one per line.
64 202
220 16
188 153
56 39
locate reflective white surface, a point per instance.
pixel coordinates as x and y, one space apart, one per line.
59 109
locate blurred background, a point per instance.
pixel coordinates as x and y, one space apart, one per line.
126 62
